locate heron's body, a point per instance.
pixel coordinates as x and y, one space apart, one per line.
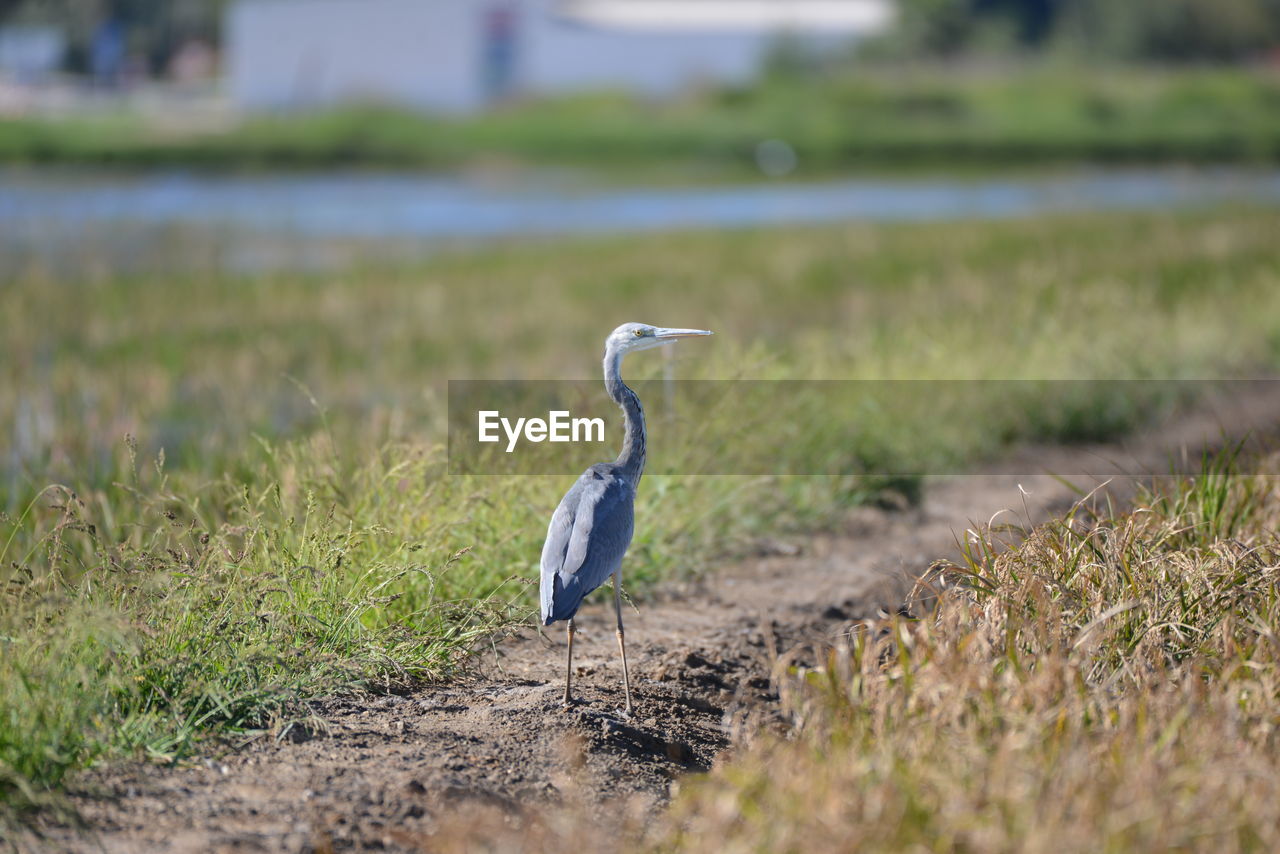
592 526
587 538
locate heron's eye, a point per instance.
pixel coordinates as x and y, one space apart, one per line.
639 333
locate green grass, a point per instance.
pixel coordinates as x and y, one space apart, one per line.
862 118
279 525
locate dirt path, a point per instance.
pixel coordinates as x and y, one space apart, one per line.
391 767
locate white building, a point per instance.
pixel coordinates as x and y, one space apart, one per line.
29 53
459 55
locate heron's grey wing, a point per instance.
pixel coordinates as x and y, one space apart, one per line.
602 532
586 540
556 547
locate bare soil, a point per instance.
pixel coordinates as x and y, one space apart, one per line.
385 771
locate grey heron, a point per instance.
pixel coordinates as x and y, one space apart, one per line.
591 528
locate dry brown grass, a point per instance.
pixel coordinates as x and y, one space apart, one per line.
1101 685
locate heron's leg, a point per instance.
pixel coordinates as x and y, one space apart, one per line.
622 644
568 665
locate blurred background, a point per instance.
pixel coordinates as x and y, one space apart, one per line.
289 165
269 128
319 159
281 167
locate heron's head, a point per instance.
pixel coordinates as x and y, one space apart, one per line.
630 337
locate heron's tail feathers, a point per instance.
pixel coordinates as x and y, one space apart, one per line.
563 601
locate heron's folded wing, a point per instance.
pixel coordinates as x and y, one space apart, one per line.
588 535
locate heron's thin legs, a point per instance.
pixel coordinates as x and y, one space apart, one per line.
568 665
622 644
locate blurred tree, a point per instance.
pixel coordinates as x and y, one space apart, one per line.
154 29
1172 30
949 28
1139 30
928 28
1033 20
1206 29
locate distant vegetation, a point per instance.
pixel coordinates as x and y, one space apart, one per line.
222 495
955 83
1153 31
932 117
153 29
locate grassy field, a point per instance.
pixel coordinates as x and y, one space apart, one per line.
1108 681
223 495
867 118
1105 684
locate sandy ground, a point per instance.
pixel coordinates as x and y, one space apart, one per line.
390 769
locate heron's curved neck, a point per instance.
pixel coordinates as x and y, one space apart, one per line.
631 460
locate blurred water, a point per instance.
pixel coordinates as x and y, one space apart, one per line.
254 222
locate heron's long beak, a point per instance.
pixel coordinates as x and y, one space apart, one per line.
671 334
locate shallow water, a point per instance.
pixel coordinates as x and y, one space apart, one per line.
310 220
